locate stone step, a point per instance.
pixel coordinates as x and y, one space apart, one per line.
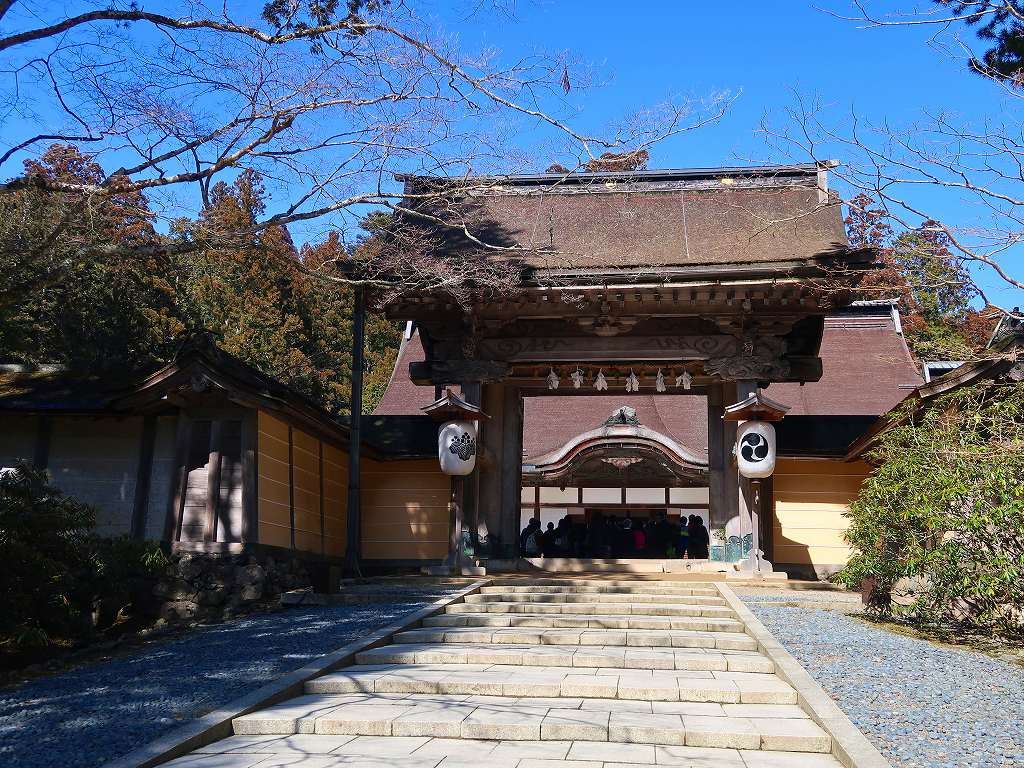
552 682
583 621
530 719
594 608
585 597
553 580
645 638
630 589
427 752
579 656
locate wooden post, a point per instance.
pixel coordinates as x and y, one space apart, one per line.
748 492
472 392
213 482
455 557
722 476
511 476
353 516
717 516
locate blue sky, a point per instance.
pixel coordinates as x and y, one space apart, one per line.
761 52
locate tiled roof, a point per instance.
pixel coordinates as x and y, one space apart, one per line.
866 370
709 217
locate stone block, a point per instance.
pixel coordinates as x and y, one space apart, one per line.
503 722
590 686
575 725
721 732
792 735
641 728
699 757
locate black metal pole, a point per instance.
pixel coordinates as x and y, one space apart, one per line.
353 516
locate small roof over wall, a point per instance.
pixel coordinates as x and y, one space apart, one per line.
200 370
1003 361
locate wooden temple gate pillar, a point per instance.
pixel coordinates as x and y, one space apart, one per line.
472 393
496 521
748 518
723 485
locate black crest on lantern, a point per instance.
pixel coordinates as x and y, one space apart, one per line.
463 446
754 447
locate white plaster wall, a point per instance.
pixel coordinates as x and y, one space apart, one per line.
162 477
645 495
95 460
688 495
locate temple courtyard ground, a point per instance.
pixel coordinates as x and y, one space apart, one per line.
920 703
99 711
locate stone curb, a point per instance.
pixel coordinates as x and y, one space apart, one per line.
849 745
216 725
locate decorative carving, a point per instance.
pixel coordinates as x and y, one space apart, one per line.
607 326
759 357
624 415
622 462
759 368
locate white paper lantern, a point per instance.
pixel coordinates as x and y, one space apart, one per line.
456 447
755 449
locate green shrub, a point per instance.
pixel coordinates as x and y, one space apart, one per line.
938 528
59 579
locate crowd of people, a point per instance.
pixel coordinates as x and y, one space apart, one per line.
613 536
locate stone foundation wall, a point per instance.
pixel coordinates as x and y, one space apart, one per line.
215 586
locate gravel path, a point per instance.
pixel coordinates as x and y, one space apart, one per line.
921 704
87 716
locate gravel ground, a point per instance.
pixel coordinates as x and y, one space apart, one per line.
920 703
87 716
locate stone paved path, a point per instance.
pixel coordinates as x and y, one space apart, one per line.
546 674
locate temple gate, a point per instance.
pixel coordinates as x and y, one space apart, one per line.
710 282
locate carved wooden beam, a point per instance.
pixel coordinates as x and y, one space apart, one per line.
571 349
441 372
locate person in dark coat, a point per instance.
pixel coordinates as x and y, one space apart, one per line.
531 526
700 540
547 544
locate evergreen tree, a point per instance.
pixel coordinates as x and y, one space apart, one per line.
934 291
63 298
278 308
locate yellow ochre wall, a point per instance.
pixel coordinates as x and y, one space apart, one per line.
272 483
811 496
404 503
405 510
276 497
